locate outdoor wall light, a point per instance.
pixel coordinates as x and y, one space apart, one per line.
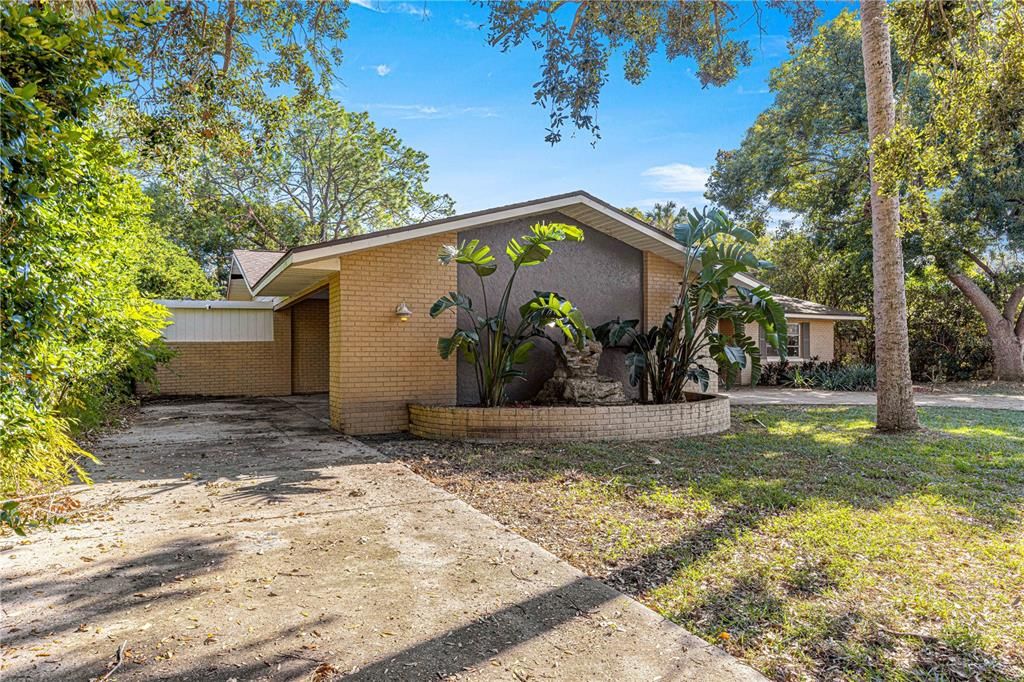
403 312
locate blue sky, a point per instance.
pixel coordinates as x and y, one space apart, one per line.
425 69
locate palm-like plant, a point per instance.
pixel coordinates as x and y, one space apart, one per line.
495 346
668 356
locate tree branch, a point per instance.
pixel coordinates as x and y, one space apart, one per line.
989 312
981 264
1013 303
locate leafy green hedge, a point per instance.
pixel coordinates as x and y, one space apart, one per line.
74 326
831 376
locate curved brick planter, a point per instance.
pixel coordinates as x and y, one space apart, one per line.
612 422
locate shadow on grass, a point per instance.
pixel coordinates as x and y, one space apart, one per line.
774 461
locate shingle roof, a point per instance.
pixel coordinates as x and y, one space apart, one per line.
798 306
255 264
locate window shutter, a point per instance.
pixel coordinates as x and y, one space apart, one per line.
805 339
763 343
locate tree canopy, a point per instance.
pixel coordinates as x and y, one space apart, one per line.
807 153
577 41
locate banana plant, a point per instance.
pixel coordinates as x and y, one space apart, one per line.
668 356
494 345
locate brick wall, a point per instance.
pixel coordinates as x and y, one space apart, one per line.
661 288
613 422
254 368
310 351
334 361
379 363
823 344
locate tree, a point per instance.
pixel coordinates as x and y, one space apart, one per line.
812 160
209 226
205 65
662 216
895 391
336 169
577 45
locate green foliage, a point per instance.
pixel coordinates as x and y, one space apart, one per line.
497 345
205 66
669 356
662 216
209 226
298 172
166 270
807 154
74 226
831 376
579 39
335 168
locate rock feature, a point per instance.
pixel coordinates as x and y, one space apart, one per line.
576 380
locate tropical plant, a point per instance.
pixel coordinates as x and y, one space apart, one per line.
497 345
691 337
831 375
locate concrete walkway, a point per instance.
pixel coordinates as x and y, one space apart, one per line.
803 396
243 540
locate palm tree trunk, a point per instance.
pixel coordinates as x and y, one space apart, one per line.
896 411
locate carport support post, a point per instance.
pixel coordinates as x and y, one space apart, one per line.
334 351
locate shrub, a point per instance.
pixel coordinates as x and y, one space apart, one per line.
72 321
831 375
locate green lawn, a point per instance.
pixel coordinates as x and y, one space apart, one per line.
801 541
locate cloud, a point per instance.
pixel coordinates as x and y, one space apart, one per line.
428 111
678 177
382 70
416 10
468 24
757 91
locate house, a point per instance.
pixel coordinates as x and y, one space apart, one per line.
324 317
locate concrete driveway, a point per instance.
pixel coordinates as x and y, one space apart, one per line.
244 540
808 396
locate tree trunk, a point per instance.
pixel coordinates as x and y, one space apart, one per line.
1005 328
896 411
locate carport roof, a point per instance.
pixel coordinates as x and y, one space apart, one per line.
304 266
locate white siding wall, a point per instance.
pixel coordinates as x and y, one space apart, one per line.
219 324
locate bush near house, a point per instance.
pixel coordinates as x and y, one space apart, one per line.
74 325
493 344
832 375
689 344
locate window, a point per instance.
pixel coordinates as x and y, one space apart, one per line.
792 342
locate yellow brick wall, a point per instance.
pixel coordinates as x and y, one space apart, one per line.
661 288
379 363
310 352
334 360
253 368
546 424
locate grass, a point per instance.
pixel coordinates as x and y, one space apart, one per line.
801 541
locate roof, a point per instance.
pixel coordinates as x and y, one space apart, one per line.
254 264
797 307
303 266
